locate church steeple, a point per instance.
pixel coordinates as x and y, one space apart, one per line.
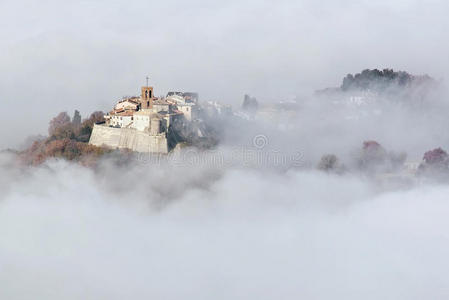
146 97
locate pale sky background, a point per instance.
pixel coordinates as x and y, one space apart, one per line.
65 55
228 231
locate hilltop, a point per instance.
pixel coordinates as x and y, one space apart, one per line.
388 84
68 139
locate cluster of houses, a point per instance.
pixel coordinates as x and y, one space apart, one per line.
153 114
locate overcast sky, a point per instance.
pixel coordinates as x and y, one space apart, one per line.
194 228
65 55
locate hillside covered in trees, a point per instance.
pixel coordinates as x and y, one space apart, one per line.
387 83
68 139
383 80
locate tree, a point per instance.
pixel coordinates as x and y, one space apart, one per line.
372 154
250 104
62 119
330 163
97 117
66 131
435 157
88 124
347 82
67 140
76 121
435 163
374 158
376 79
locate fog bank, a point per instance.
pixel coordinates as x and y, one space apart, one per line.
243 234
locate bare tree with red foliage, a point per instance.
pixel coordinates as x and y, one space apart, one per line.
372 154
435 164
436 157
62 119
374 157
67 140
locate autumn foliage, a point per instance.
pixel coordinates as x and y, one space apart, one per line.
374 157
67 139
435 156
435 162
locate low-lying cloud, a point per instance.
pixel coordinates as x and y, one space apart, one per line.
181 233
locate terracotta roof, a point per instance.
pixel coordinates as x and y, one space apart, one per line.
122 112
127 113
133 99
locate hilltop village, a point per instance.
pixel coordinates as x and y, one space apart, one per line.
147 123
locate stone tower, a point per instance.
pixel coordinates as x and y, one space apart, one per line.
146 97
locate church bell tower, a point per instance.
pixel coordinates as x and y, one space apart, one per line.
146 97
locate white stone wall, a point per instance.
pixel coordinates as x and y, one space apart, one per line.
128 138
121 121
141 122
187 110
160 107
